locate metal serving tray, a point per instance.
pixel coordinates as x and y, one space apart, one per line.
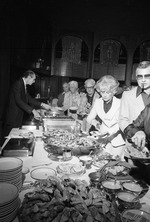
19 147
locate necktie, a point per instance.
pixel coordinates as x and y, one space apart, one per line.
26 93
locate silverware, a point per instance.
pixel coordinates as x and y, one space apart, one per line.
45 164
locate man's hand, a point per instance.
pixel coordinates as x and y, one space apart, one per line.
139 139
36 114
45 106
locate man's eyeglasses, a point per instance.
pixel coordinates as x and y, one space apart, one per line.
140 77
90 87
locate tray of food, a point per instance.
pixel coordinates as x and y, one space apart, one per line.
71 170
101 158
136 154
119 170
66 200
56 140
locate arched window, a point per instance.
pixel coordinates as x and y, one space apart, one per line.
110 58
122 58
84 50
71 57
142 53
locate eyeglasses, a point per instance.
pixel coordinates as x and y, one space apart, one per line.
90 87
140 77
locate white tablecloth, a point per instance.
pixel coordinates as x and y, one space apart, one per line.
40 156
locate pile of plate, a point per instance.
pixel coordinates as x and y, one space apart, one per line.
11 171
9 201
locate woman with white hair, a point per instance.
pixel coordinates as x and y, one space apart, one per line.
107 108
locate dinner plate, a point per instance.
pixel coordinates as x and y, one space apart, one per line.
8 192
9 217
135 215
10 163
42 173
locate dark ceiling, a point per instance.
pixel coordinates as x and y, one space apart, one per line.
50 4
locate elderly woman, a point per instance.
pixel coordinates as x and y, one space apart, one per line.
107 109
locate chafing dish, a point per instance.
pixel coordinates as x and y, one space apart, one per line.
19 147
59 122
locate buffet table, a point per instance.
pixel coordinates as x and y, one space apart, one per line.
40 157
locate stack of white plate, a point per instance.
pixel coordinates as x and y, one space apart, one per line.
9 201
11 171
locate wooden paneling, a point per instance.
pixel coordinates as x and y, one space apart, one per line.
62 68
133 72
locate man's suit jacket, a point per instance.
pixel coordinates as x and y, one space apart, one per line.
141 123
130 108
19 103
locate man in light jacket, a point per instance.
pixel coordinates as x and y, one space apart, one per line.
135 100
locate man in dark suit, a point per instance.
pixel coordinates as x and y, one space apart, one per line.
21 102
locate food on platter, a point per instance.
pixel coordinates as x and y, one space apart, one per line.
117 170
66 200
101 158
103 155
70 169
59 134
135 153
63 138
100 163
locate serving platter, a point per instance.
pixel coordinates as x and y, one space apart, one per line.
136 154
65 199
56 140
132 215
42 173
71 170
